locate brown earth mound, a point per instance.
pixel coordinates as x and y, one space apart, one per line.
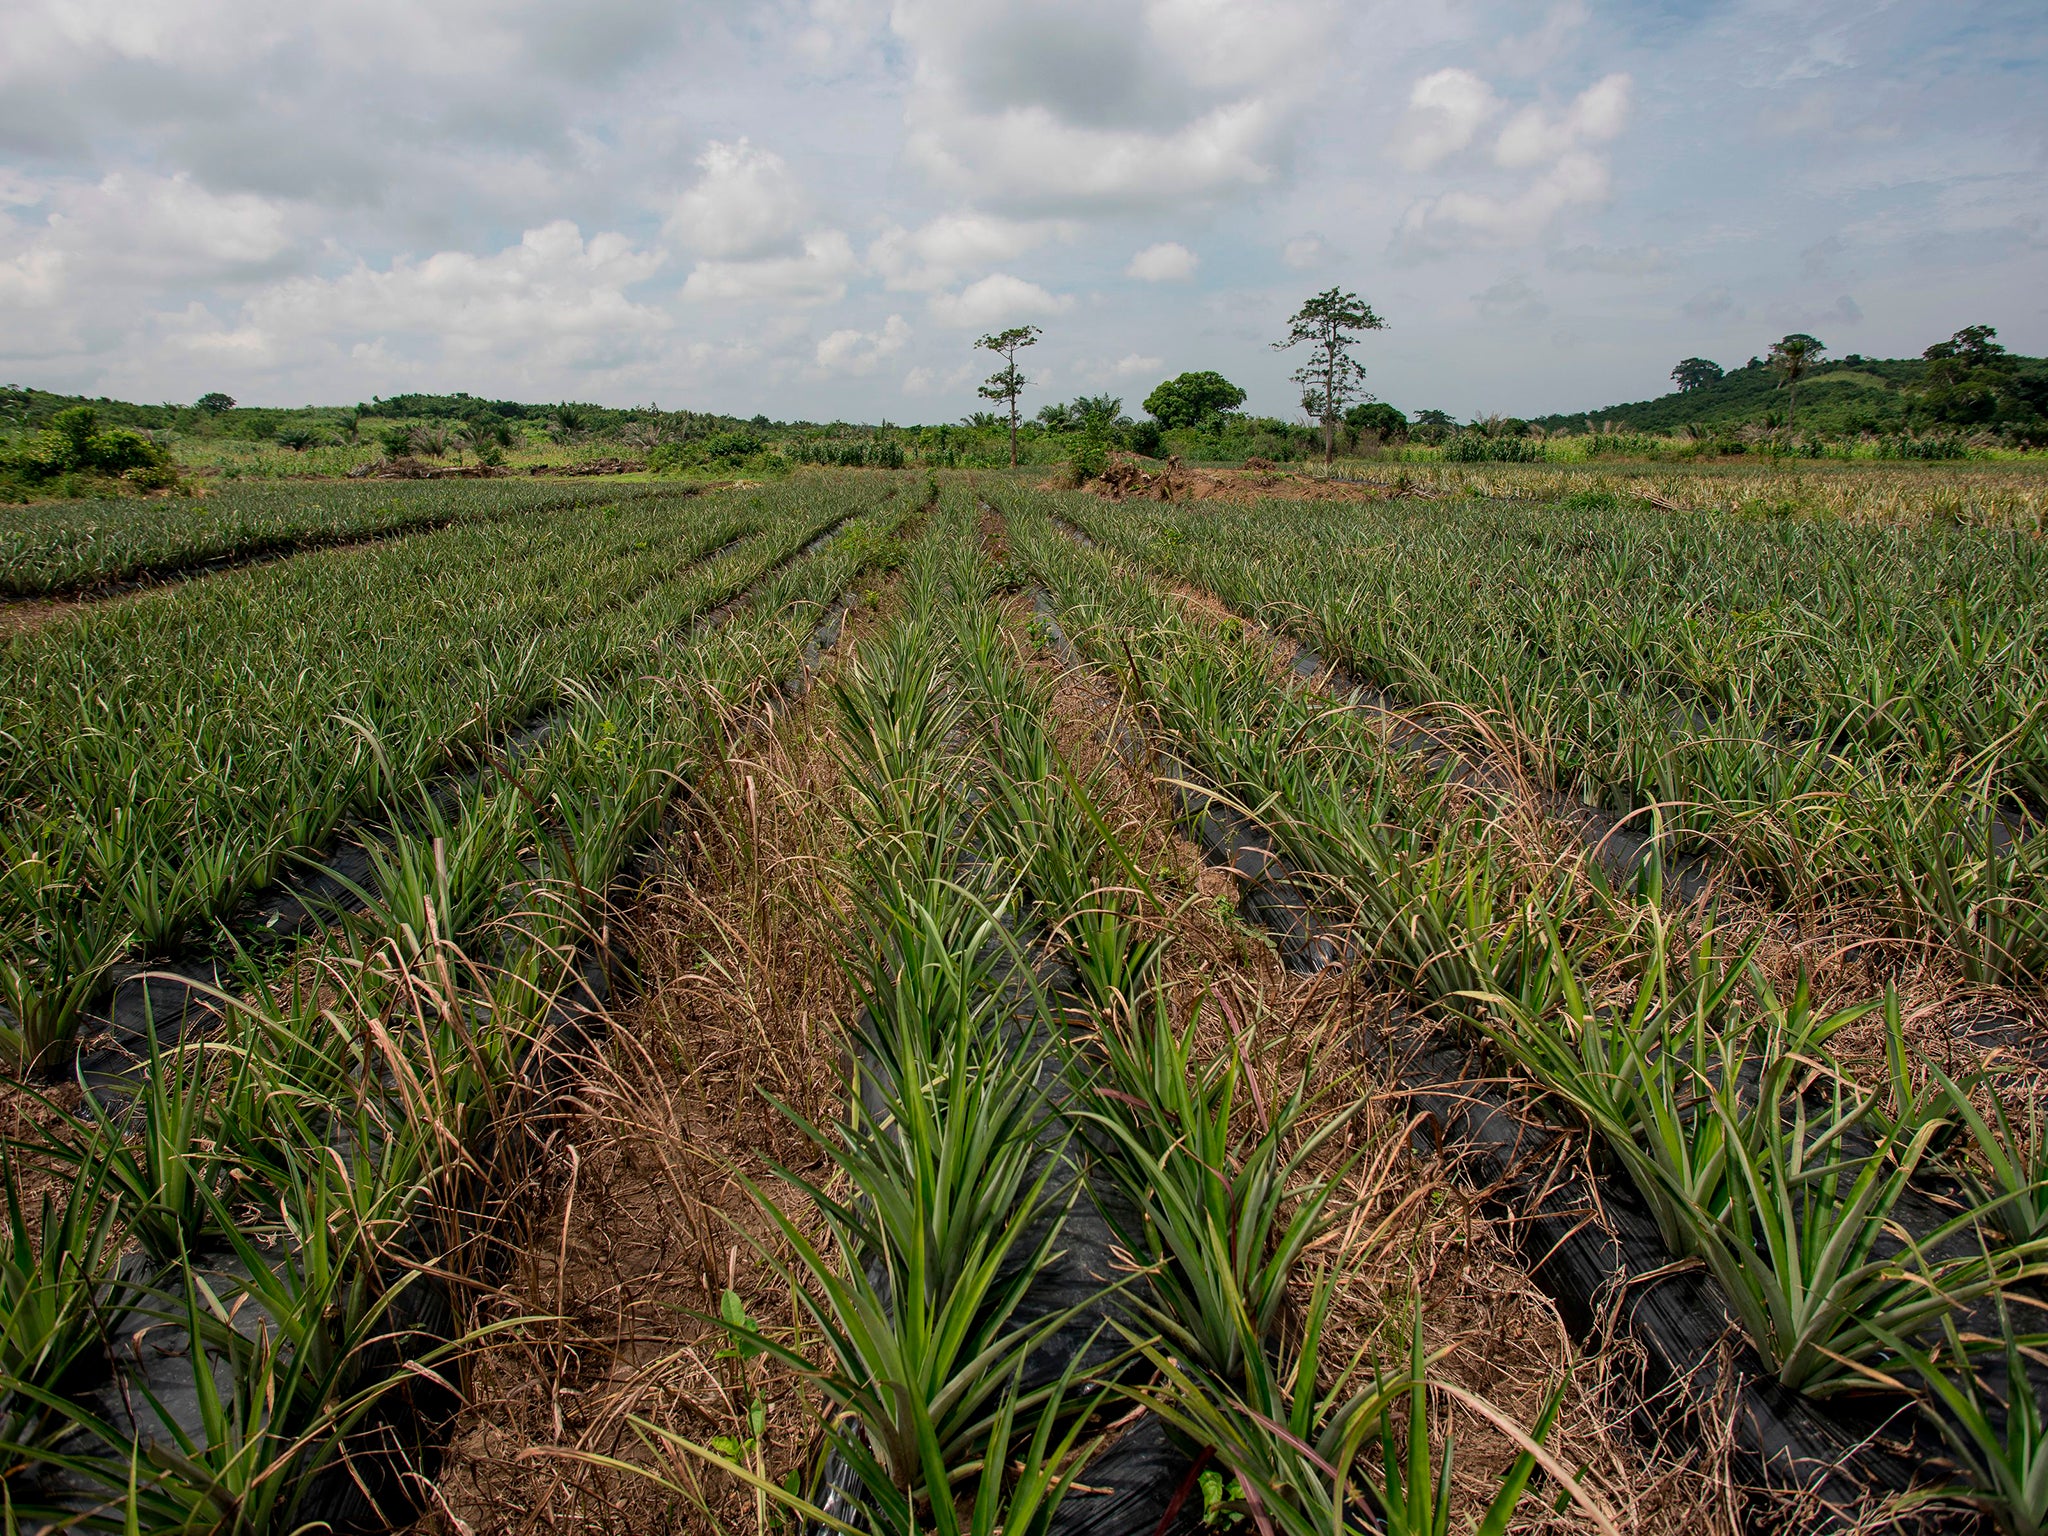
408 468
593 467
1125 479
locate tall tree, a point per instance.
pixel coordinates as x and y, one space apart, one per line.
1974 346
1008 382
1793 357
1696 373
1333 378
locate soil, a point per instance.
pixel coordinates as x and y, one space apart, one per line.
1127 479
649 1224
405 468
26 615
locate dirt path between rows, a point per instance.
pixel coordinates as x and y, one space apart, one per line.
647 1226
22 616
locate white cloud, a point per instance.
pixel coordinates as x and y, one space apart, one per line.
33 321
997 300
939 253
554 295
134 227
1305 252
838 31
857 353
1167 262
1465 220
1445 112
1067 104
816 276
744 207
1531 137
1031 158
237 194
1134 365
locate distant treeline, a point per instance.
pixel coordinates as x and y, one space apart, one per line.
1991 392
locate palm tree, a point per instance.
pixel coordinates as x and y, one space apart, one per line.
1792 357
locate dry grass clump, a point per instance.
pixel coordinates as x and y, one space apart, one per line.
648 1229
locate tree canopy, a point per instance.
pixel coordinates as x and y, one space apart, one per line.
1697 373
1329 324
1193 399
1974 346
1792 357
1378 418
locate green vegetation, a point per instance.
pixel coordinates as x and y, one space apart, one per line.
1332 378
1061 1142
75 450
1193 400
1007 382
1702 1090
171 755
1966 397
1847 711
1967 384
52 548
329 1159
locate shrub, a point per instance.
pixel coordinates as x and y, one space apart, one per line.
1193 399
1931 447
1378 418
1471 448
729 448
1145 437
156 477
75 444
720 450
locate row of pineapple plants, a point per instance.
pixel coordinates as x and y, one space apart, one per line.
236 1305
984 1105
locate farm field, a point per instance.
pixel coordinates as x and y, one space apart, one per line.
55 548
1480 1000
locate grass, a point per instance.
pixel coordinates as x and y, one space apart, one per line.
945 1002
50 548
308 1191
1848 712
297 699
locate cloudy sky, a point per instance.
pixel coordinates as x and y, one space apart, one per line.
812 207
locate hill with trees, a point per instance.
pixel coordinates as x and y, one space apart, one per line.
1966 383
